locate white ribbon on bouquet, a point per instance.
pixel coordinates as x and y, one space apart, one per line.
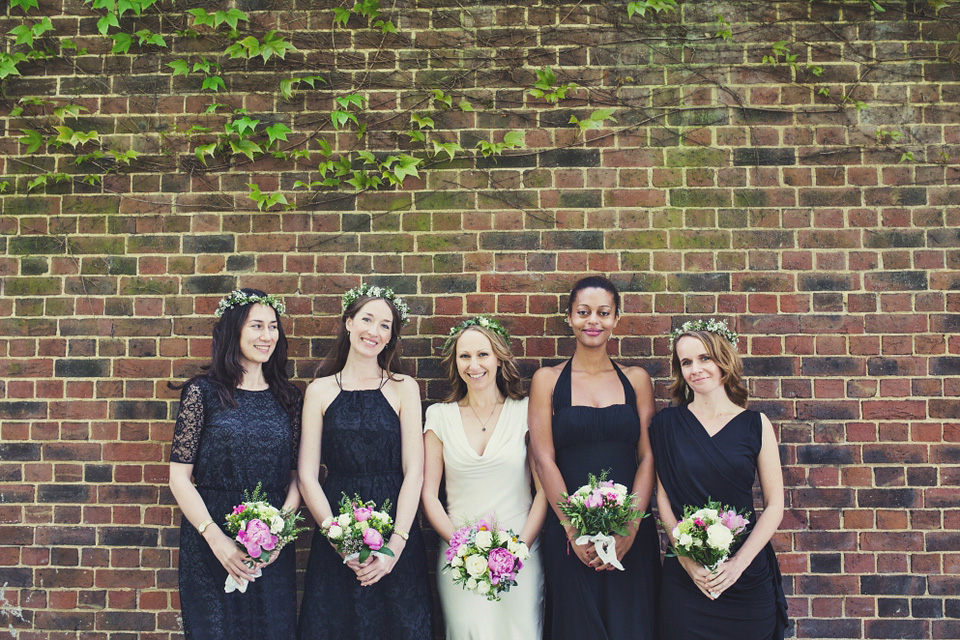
232 585
606 547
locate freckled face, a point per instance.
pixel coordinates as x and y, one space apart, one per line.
371 327
700 371
594 316
476 362
259 335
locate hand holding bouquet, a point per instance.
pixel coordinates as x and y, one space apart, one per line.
707 534
261 530
360 529
485 559
597 510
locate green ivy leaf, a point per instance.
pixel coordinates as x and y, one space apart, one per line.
121 43
107 21
248 148
40 180
201 17
204 150
274 45
449 148
213 83
325 148
340 118
180 67
465 105
341 16
24 35
33 139
278 131
407 166
24 5
68 111
244 125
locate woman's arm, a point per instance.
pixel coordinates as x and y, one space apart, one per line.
696 571
195 511
411 454
771 484
540 423
432 475
308 463
538 508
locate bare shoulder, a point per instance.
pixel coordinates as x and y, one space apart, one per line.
636 375
547 375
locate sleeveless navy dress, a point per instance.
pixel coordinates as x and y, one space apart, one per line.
361 449
694 468
585 603
231 450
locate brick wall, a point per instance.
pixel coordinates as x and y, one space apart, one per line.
819 213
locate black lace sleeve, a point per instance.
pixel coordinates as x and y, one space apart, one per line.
295 421
186 435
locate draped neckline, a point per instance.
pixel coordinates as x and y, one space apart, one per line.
707 432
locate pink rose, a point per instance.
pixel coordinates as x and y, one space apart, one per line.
257 538
372 538
593 500
501 562
362 513
240 508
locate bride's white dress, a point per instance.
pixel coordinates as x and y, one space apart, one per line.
493 485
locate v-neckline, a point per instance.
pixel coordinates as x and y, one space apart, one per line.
705 431
496 429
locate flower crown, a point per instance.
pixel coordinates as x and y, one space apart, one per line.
238 299
478 321
377 292
718 327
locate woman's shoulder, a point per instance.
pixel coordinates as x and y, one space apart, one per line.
635 374
546 377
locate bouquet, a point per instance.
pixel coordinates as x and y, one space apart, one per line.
360 529
261 530
485 559
706 534
597 510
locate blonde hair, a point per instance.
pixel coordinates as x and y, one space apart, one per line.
508 376
727 359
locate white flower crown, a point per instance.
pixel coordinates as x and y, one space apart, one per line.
718 327
372 291
238 298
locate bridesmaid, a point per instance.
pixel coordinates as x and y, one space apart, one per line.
361 416
588 415
476 440
709 446
238 425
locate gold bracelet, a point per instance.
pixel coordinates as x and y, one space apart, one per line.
204 525
402 534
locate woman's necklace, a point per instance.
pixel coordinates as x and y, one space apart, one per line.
483 423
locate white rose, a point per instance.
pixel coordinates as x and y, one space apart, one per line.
335 532
522 552
719 536
276 525
344 519
483 586
471 583
676 532
456 561
685 540
269 512
462 550
476 565
483 539
326 523
619 488
711 514
513 546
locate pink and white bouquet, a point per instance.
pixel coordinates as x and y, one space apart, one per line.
360 529
597 510
261 530
707 534
485 559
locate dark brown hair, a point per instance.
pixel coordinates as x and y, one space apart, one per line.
508 376
727 359
388 358
594 282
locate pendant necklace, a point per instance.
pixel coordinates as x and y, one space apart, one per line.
483 423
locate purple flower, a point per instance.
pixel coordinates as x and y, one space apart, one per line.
733 521
501 562
240 508
257 538
593 500
362 513
372 538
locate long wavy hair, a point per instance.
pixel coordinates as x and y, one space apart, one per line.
388 358
508 376
594 282
727 359
225 370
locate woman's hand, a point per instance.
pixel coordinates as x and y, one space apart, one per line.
376 567
230 556
623 545
586 552
273 558
698 573
725 576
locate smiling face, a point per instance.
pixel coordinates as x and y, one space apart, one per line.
259 336
593 316
371 327
700 371
476 362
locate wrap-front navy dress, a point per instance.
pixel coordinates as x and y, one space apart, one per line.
695 468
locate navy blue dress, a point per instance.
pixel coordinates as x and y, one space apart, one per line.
585 603
361 449
695 468
231 450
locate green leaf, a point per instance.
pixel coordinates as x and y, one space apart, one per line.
354 99
442 98
449 148
325 148
341 16
340 118
124 157
201 17
33 139
180 67
364 554
107 21
546 78
513 139
877 6
422 122
204 150
286 87
231 17
385 26
8 64
40 28
248 148
278 131
407 166
36 182
24 35
213 83
16 112
68 111
274 45
121 43
213 108
417 136
465 105
24 5
4 186
244 124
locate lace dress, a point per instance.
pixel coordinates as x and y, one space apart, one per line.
361 449
231 450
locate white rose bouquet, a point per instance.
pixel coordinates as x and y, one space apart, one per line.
485 559
707 534
260 529
360 529
597 510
